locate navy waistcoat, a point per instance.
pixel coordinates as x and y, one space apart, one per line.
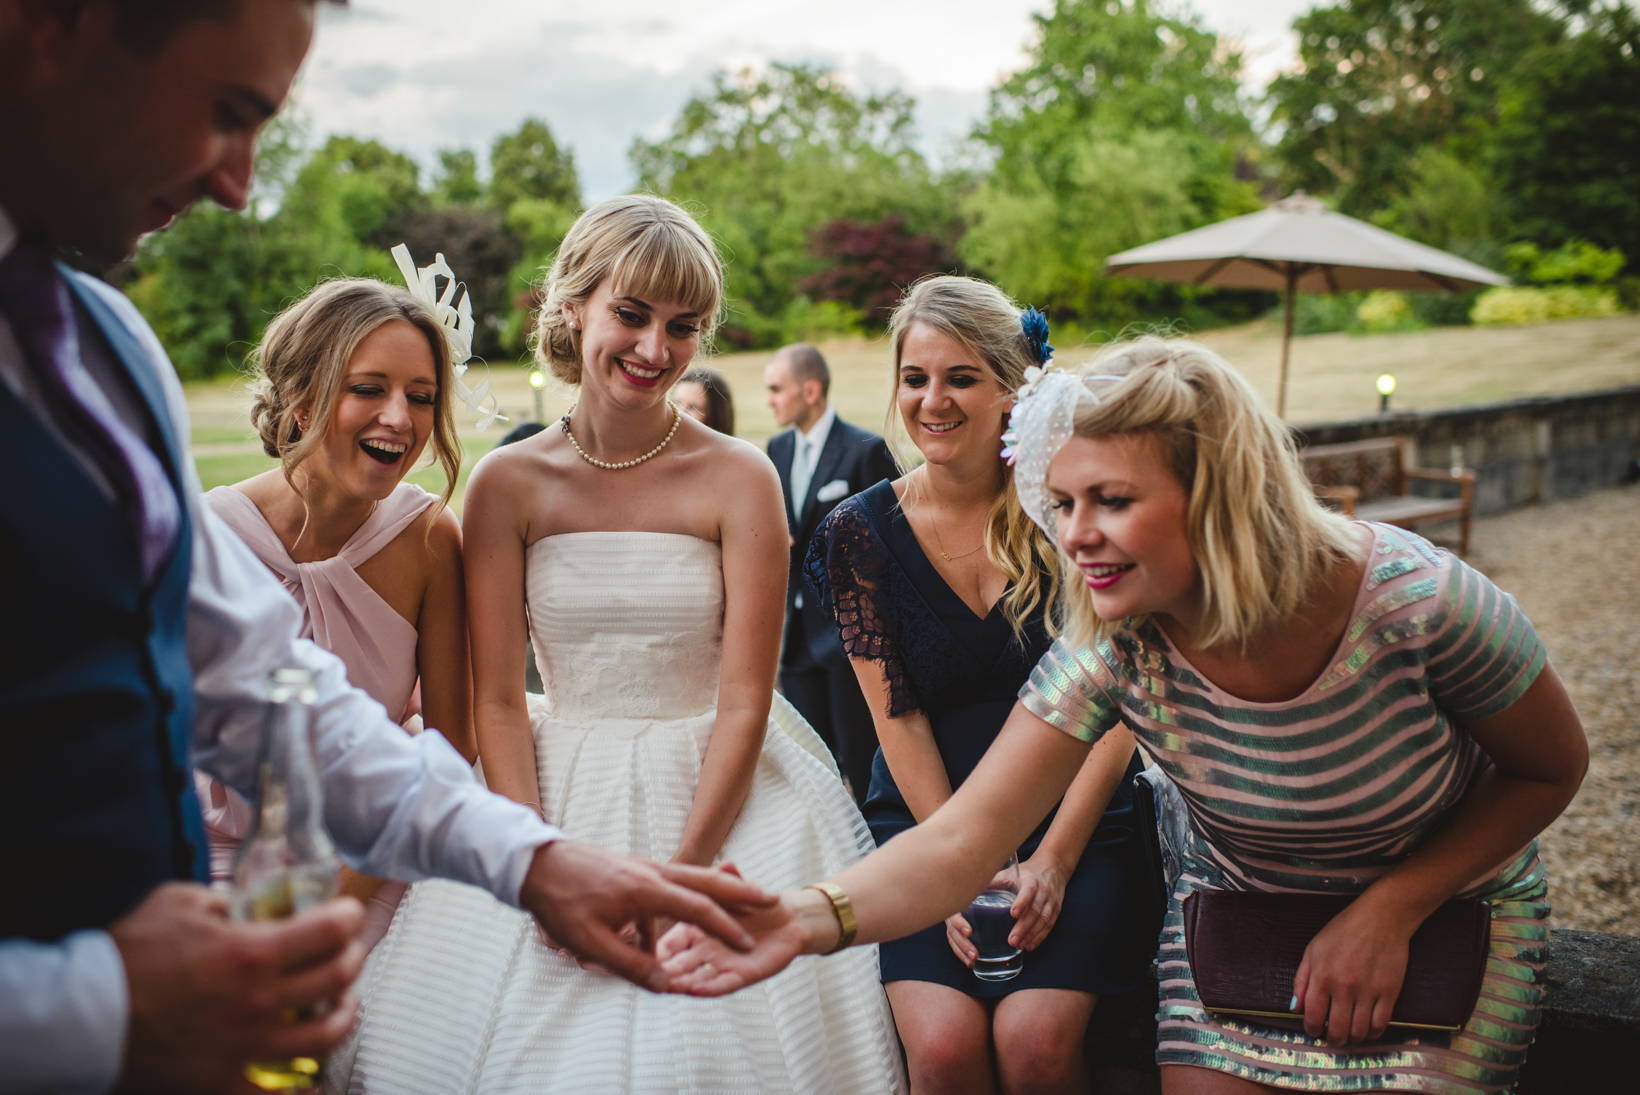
96 690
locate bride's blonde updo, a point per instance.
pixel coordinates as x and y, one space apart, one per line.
650 248
302 360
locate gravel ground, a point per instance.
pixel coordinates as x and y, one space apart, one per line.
1575 567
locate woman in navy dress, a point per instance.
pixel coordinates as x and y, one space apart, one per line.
941 587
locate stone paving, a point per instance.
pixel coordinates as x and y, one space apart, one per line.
1575 567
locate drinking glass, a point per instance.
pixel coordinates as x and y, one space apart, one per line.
990 918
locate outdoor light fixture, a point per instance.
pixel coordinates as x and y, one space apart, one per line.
537 381
1386 385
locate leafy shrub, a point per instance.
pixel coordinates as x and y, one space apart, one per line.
1321 313
1514 306
872 264
1443 309
1387 310
1570 301
1510 306
1578 262
816 321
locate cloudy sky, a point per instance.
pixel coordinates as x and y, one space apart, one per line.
421 75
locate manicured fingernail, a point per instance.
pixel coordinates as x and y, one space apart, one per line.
1292 1005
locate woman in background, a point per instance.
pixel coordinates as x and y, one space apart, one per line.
352 383
703 394
942 588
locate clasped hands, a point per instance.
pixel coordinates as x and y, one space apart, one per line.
1346 986
207 995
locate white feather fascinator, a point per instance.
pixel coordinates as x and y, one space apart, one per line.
456 318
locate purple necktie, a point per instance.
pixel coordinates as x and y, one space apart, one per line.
35 301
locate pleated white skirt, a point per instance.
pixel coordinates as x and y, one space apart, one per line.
463 997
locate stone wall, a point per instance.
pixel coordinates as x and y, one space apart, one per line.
1525 450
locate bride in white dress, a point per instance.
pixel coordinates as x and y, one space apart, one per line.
646 555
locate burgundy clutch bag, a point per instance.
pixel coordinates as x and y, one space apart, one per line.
1244 951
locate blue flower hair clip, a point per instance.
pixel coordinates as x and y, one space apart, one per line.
1035 324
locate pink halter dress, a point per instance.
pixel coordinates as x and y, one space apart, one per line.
344 615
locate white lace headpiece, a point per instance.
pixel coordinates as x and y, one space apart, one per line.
457 321
1043 419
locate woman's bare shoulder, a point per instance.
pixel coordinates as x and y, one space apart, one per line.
731 455
440 527
264 488
519 471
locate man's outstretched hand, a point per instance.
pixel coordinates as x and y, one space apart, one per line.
586 899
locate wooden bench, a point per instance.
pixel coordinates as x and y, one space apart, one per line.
1368 480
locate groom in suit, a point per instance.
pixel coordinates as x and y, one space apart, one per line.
139 631
821 460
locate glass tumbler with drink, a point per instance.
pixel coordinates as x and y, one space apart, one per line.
991 917
288 864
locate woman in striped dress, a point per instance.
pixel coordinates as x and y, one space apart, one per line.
1342 707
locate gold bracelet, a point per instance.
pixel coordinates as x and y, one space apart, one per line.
843 908
537 807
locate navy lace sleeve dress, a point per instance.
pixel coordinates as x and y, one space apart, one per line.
964 674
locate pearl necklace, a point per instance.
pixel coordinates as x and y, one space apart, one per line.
677 416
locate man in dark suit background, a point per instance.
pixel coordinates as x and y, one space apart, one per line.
822 460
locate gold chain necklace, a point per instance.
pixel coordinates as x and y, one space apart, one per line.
938 540
677 416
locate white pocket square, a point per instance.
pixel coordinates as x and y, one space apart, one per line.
837 488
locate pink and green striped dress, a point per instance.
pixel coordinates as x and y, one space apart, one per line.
1328 791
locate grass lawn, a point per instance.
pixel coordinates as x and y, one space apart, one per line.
1332 378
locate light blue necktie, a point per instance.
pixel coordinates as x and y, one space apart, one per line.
802 473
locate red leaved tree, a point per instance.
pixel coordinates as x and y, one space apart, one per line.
871 264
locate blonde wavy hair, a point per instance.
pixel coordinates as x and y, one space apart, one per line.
979 317
1259 537
649 248
303 357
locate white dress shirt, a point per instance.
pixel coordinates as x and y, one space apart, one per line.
396 806
805 458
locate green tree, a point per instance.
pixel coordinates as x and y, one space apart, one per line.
210 283
1047 243
1567 152
457 182
539 225
202 285
529 164
1448 204
770 157
1380 80
536 193
364 183
1116 68
1125 126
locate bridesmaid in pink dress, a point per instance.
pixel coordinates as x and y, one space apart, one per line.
353 383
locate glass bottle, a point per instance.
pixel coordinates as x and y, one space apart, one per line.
287 864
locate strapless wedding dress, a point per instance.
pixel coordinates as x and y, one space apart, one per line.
462 996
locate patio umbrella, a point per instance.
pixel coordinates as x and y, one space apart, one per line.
1299 245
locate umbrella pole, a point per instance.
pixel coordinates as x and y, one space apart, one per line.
1286 343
